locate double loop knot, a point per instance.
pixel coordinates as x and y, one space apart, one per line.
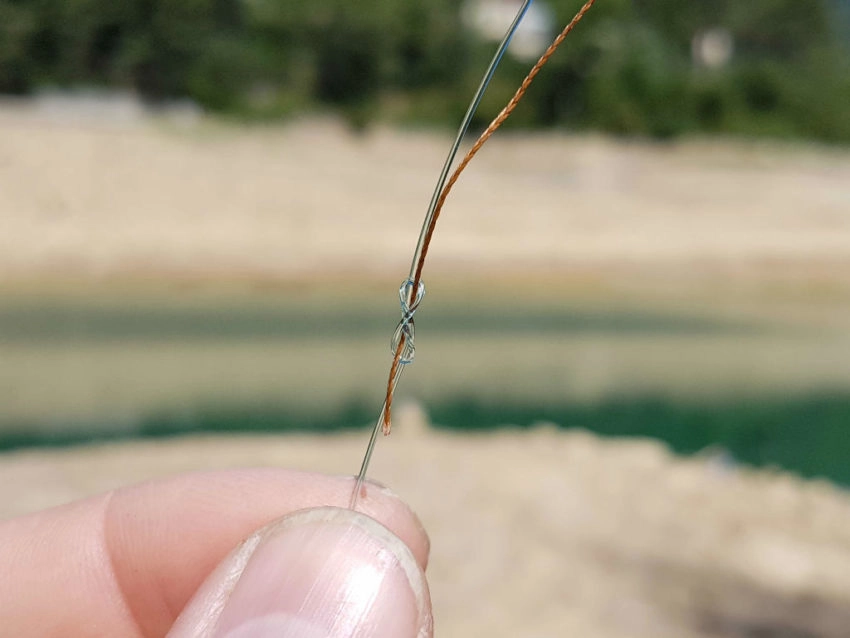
410 300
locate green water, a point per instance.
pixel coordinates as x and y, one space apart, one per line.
767 393
84 322
809 435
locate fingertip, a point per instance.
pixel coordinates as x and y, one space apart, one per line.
384 505
165 537
321 572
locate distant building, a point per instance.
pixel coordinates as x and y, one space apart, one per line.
491 18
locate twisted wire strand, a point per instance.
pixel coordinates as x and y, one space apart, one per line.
493 126
503 115
412 289
461 133
410 297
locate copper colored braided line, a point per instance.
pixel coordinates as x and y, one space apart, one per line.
493 126
388 401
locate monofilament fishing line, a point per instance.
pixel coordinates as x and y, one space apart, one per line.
413 289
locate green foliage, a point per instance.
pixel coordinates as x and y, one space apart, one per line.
627 69
17 26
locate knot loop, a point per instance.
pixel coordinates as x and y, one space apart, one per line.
410 300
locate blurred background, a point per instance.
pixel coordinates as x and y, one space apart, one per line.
207 206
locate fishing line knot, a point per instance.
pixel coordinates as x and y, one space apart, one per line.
410 300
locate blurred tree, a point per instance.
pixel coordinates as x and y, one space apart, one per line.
783 29
628 69
18 23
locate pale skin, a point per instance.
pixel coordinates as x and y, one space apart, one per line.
127 562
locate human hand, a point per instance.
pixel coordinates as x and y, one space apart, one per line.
129 562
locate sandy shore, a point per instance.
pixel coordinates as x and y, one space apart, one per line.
93 198
543 533
547 533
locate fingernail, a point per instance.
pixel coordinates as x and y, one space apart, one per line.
327 573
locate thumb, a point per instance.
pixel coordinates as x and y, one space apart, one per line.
318 573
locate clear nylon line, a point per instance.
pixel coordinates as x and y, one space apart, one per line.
441 181
464 125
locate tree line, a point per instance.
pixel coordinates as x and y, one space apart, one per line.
628 69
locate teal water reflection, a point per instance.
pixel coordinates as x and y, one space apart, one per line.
766 392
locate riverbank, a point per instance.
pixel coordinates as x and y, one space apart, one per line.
547 532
